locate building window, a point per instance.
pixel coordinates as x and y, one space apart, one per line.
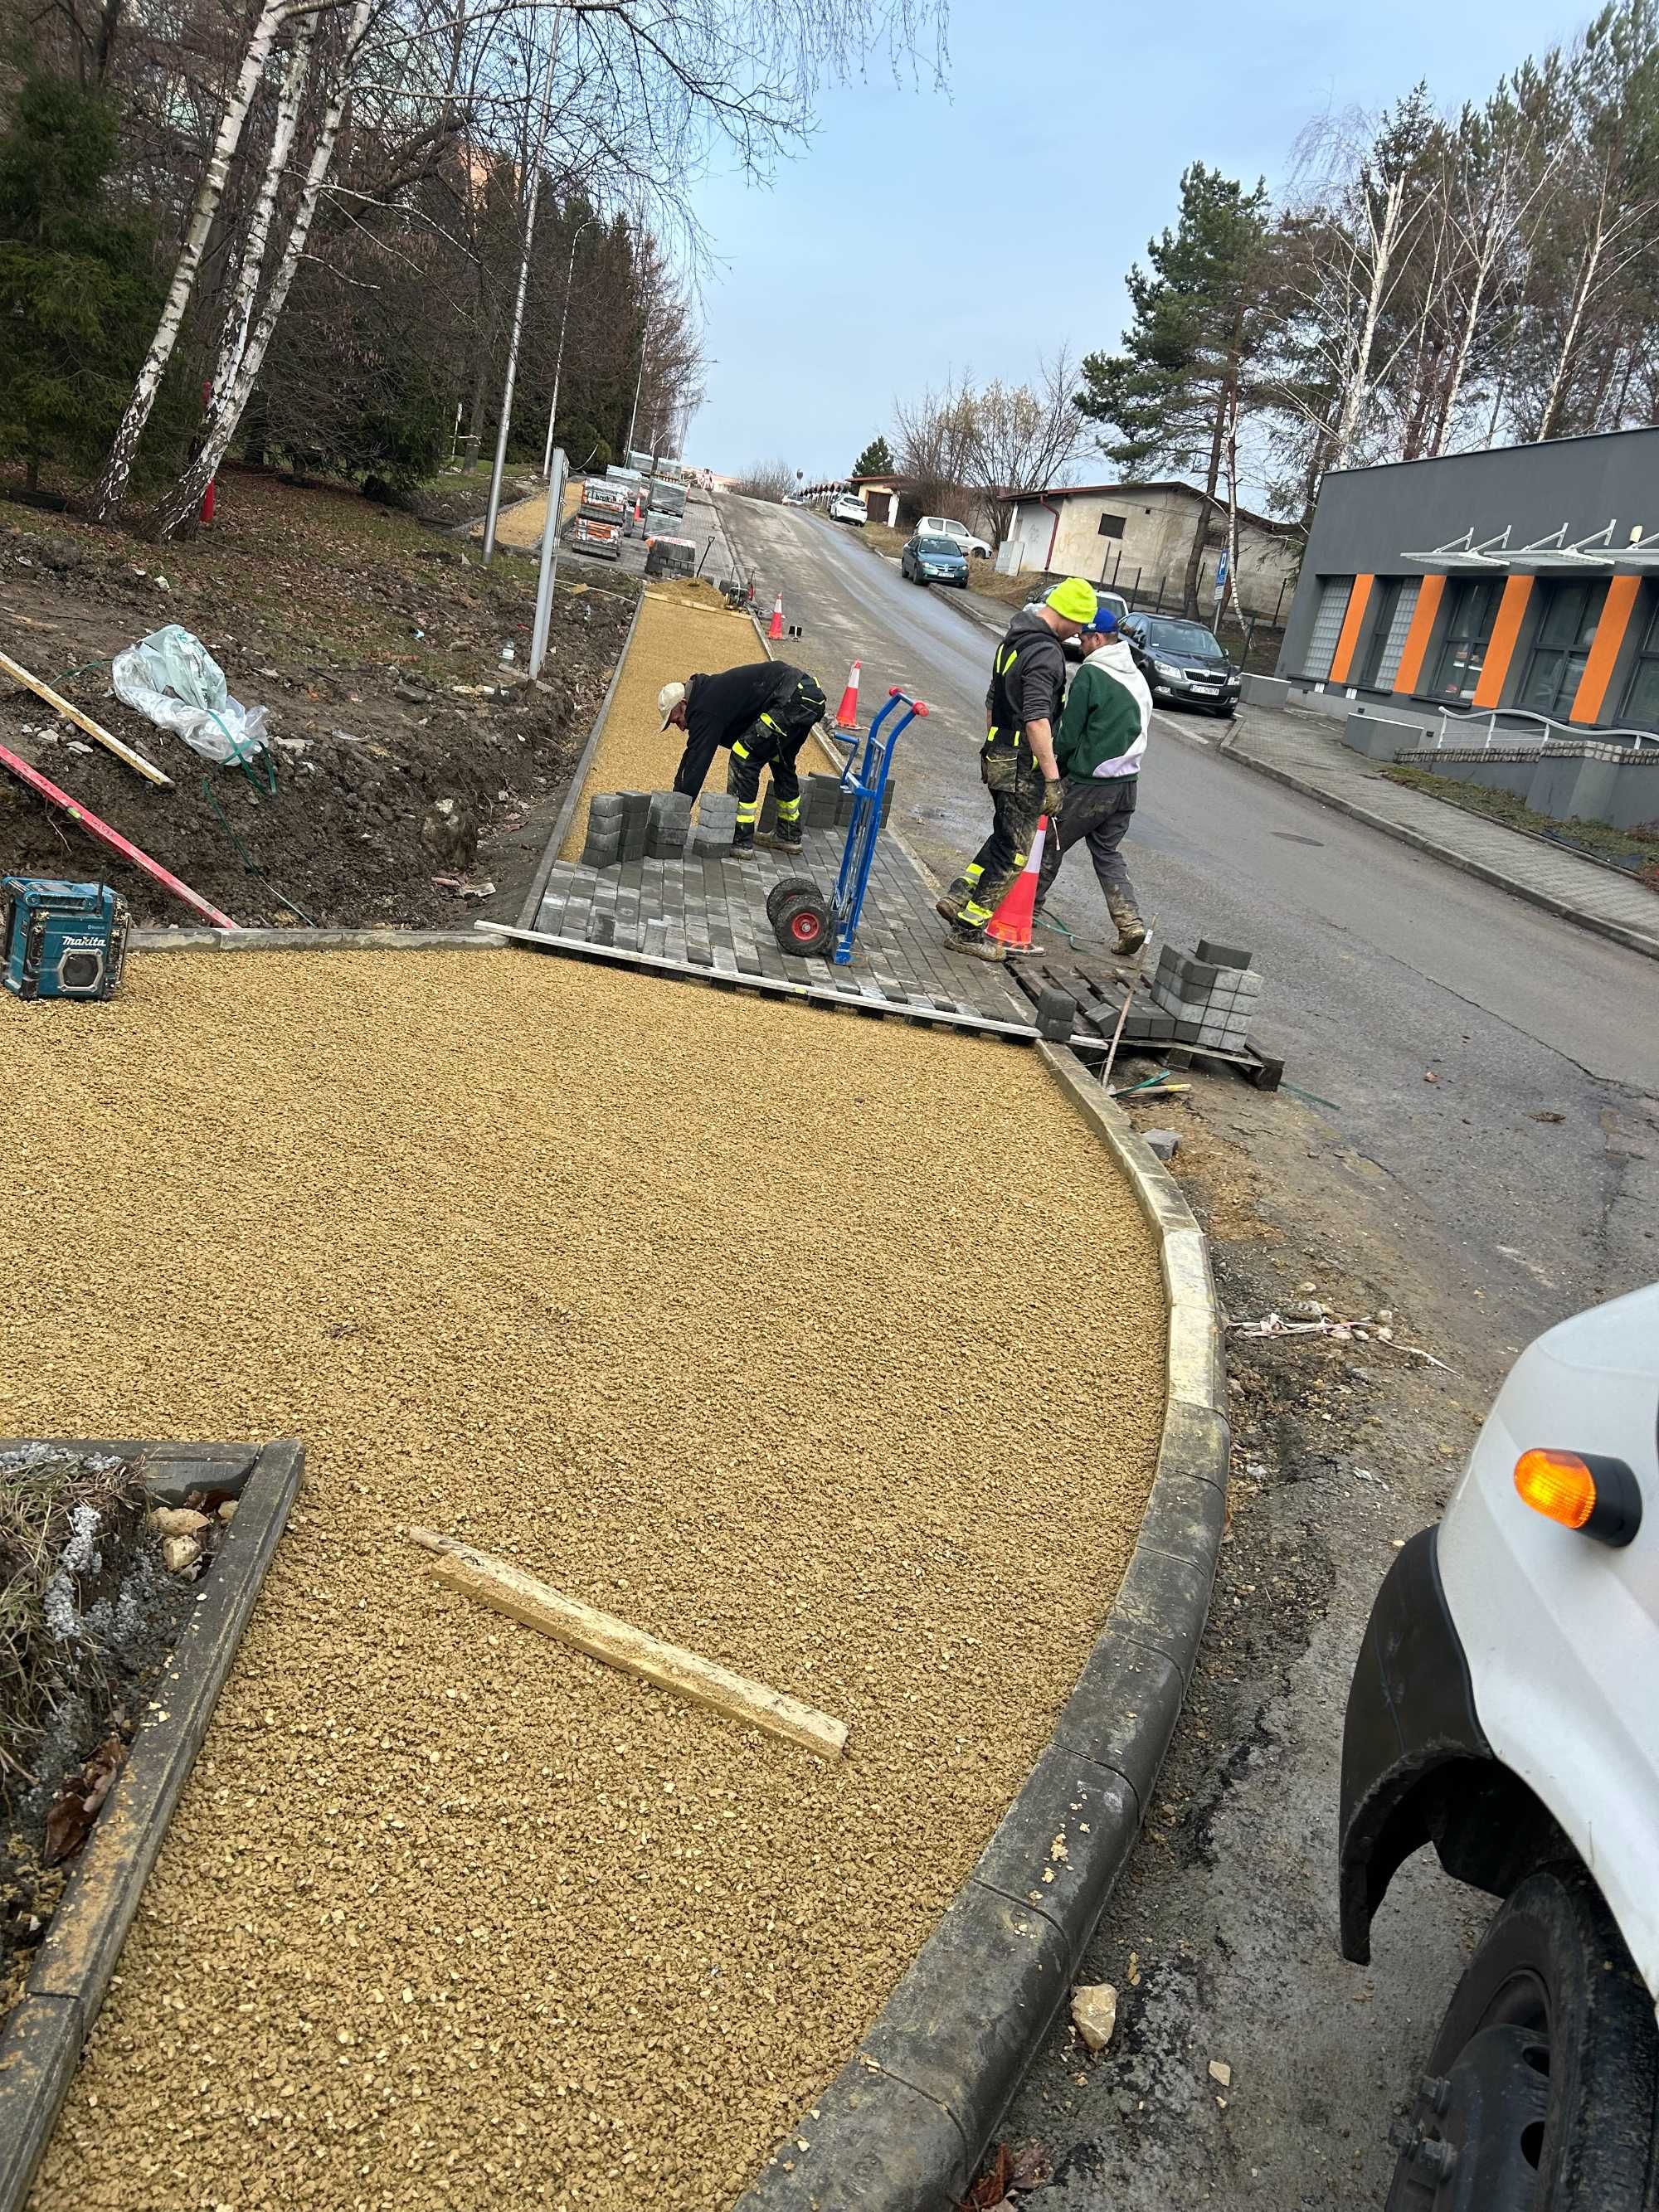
1335 592
1396 608
1641 707
1565 637
1111 526
1473 609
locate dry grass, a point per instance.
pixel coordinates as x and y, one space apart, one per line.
41 1669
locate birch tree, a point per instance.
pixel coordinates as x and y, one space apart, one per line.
1367 200
1607 206
182 504
118 470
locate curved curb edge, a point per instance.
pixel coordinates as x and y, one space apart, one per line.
901 2128
43 2040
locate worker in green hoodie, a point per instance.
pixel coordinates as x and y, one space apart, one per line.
1098 748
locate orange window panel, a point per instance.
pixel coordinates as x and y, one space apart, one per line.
1604 654
1417 636
1511 608
1348 638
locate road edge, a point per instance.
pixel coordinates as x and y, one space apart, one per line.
46 2031
904 2124
1633 940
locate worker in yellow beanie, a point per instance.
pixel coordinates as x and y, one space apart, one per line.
1016 761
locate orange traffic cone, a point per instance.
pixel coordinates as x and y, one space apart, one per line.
1011 922
775 628
846 714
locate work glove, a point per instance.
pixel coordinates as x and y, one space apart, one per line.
1053 798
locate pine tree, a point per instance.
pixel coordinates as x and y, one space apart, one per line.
1174 395
77 299
876 459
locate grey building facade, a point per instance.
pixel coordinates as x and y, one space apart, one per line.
1523 581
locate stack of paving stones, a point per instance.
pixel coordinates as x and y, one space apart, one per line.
656 880
1208 997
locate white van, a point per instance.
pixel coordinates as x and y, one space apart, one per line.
1503 1709
941 525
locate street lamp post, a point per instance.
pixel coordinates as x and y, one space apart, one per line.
633 419
558 359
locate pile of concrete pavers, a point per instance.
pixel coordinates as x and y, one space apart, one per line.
1210 994
657 825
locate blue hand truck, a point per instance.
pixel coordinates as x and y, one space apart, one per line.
805 922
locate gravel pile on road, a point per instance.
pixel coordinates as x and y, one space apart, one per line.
685 629
831 1350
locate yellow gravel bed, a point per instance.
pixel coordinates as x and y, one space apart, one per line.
831 1350
684 629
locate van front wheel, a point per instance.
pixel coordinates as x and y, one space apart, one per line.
1540 2095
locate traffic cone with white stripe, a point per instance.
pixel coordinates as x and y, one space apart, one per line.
1011 924
775 628
846 714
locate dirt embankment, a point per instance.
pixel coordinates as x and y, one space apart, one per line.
374 641
559 1263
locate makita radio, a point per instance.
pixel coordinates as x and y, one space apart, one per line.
60 940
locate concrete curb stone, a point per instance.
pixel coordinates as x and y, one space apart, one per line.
904 2125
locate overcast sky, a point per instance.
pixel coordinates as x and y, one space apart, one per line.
970 228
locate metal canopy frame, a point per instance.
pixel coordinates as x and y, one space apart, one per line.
1550 554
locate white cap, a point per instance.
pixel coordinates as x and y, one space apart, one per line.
667 699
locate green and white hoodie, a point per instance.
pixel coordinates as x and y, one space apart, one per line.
1103 729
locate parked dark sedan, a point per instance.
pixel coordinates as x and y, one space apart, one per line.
1183 663
934 561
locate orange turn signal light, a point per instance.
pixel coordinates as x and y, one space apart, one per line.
1557 1484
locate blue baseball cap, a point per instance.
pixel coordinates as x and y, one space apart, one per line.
1105 621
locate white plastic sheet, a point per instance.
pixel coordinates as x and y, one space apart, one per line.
172 678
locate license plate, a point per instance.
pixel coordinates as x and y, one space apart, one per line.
1207 690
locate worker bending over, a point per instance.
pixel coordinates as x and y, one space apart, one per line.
764 712
1098 750
1016 761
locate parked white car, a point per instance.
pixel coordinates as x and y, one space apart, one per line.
847 506
942 525
1504 1709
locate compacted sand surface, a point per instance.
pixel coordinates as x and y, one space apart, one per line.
829 1348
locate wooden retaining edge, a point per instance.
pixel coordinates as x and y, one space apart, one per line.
579 776
44 2038
904 2125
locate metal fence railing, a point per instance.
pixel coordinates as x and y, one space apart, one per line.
1568 732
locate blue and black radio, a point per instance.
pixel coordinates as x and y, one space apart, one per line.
60 940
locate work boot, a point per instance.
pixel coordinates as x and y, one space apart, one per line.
743 841
786 836
1131 929
974 943
949 903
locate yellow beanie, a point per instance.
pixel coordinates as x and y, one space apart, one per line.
1074 599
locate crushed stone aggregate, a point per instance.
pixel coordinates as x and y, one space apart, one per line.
832 1350
684 629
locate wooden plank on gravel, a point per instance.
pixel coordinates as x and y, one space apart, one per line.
602 1636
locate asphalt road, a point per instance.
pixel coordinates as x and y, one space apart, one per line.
1380 965
1518 1186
